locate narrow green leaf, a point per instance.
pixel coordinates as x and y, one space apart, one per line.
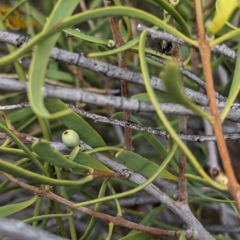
96 209
12 151
147 221
20 114
41 56
17 171
210 199
10 209
124 47
174 13
142 165
59 75
46 216
74 153
87 160
52 156
23 147
84 36
161 97
139 236
182 237
110 230
95 183
235 87
171 79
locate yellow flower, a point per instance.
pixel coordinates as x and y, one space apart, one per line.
14 20
224 9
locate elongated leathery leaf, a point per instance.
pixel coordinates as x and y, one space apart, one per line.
235 87
10 209
87 160
142 165
146 221
97 209
171 80
52 156
61 10
37 178
23 147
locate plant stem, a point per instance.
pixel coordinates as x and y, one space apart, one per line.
205 50
182 129
124 84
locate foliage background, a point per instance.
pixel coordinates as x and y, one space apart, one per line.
210 201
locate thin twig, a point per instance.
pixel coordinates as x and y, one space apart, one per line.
119 122
204 48
124 84
107 69
219 49
182 123
103 100
184 72
213 159
116 220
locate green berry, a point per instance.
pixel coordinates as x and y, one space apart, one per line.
111 43
70 138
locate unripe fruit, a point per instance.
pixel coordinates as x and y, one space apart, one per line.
111 43
222 179
70 138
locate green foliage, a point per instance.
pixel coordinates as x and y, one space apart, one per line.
75 174
48 154
141 165
171 77
76 123
10 209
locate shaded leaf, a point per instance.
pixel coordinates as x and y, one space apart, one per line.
52 156
162 97
142 165
139 236
87 160
182 237
171 79
10 209
147 221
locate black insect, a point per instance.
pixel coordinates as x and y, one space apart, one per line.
166 48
